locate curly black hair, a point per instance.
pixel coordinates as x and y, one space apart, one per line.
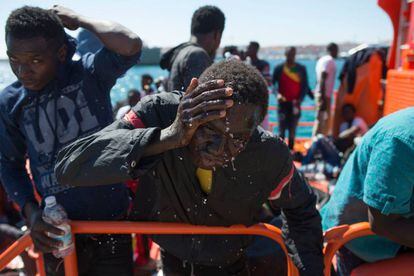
29 22
248 84
207 19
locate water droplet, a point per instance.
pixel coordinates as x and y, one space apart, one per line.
232 164
179 157
188 209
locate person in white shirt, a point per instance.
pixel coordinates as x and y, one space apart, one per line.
325 74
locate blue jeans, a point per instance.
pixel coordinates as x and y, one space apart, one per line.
323 148
347 261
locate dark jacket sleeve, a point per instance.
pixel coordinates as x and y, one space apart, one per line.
13 173
111 155
302 228
305 89
107 66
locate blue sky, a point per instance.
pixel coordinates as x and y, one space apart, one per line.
271 22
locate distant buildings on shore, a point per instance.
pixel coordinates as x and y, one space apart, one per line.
152 56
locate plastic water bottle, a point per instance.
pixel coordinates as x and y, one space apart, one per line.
56 215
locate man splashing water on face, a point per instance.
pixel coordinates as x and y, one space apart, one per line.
180 145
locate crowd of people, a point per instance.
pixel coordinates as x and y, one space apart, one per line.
189 148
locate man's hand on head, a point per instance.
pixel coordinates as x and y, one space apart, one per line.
202 103
70 19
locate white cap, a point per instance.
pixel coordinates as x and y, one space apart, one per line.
50 200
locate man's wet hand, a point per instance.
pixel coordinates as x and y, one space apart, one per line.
201 104
39 231
69 18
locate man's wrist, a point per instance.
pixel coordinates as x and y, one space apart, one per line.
170 139
29 208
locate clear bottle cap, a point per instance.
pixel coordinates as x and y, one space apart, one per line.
50 201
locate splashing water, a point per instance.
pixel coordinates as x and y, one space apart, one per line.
232 164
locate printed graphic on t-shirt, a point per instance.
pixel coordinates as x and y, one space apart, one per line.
52 121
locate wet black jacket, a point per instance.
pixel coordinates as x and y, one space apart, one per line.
169 190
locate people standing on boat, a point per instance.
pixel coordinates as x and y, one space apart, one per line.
252 58
198 155
133 97
146 85
55 101
325 75
376 185
188 60
290 81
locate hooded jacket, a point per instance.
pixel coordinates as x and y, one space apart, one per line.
184 62
169 190
36 124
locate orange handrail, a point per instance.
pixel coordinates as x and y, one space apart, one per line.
16 249
336 237
127 227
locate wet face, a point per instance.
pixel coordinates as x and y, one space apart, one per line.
218 142
34 61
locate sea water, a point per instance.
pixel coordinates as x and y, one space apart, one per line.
132 80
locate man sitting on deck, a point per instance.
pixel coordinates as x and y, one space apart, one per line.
376 185
202 158
333 151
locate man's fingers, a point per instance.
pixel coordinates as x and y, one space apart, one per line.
207 106
42 248
192 86
209 116
209 85
46 227
212 95
53 243
41 244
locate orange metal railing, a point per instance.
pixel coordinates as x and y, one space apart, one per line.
336 237
126 227
16 249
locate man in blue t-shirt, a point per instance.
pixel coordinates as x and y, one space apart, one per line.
376 185
54 102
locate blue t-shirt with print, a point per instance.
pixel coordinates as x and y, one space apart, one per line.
379 174
37 124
